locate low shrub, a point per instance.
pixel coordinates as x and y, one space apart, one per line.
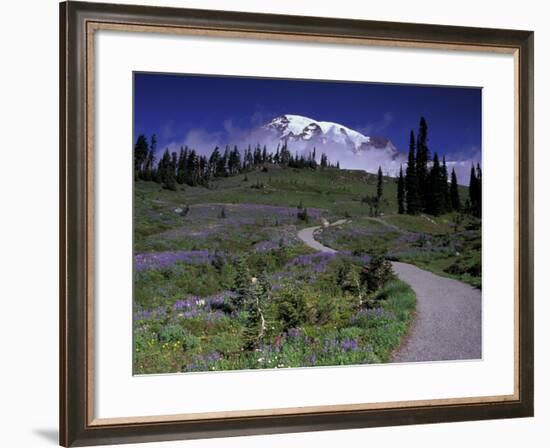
291 307
376 273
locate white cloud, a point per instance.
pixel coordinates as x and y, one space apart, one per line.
377 127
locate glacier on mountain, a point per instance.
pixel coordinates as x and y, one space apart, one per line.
351 148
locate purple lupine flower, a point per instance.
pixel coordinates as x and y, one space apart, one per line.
163 260
410 237
207 308
141 314
329 345
348 345
204 361
309 259
294 333
372 313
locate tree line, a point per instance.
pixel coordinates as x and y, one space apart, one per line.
191 168
425 186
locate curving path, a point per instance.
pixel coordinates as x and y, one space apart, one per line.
448 313
448 318
307 236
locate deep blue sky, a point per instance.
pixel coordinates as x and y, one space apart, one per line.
171 106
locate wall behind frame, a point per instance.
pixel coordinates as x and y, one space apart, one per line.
29 212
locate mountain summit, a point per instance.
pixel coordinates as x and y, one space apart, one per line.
296 127
353 149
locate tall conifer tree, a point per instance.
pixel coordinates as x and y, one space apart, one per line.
149 164
422 157
479 195
141 149
400 192
180 171
434 199
164 167
453 192
445 187
379 186
472 191
411 180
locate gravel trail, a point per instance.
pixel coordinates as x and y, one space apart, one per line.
447 325
307 236
448 318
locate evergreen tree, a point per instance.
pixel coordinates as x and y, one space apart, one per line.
479 193
257 156
180 171
234 163
141 149
248 159
422 158
411 181
445 187
241 284
163 166
149 164
191 169
197 177
453 192
277 158
204 174
474 191
377 273
174 163
379 187
324 161
182 166
224 162
434 200
285 155
291 307
400 192
214 162
169 170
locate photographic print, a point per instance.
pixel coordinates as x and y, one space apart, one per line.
288 223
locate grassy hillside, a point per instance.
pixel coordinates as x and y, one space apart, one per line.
337 191
448 245
188 245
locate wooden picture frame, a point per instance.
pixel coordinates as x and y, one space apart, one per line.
78 22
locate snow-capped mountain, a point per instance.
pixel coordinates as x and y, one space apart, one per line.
295 127
351 148
340 143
